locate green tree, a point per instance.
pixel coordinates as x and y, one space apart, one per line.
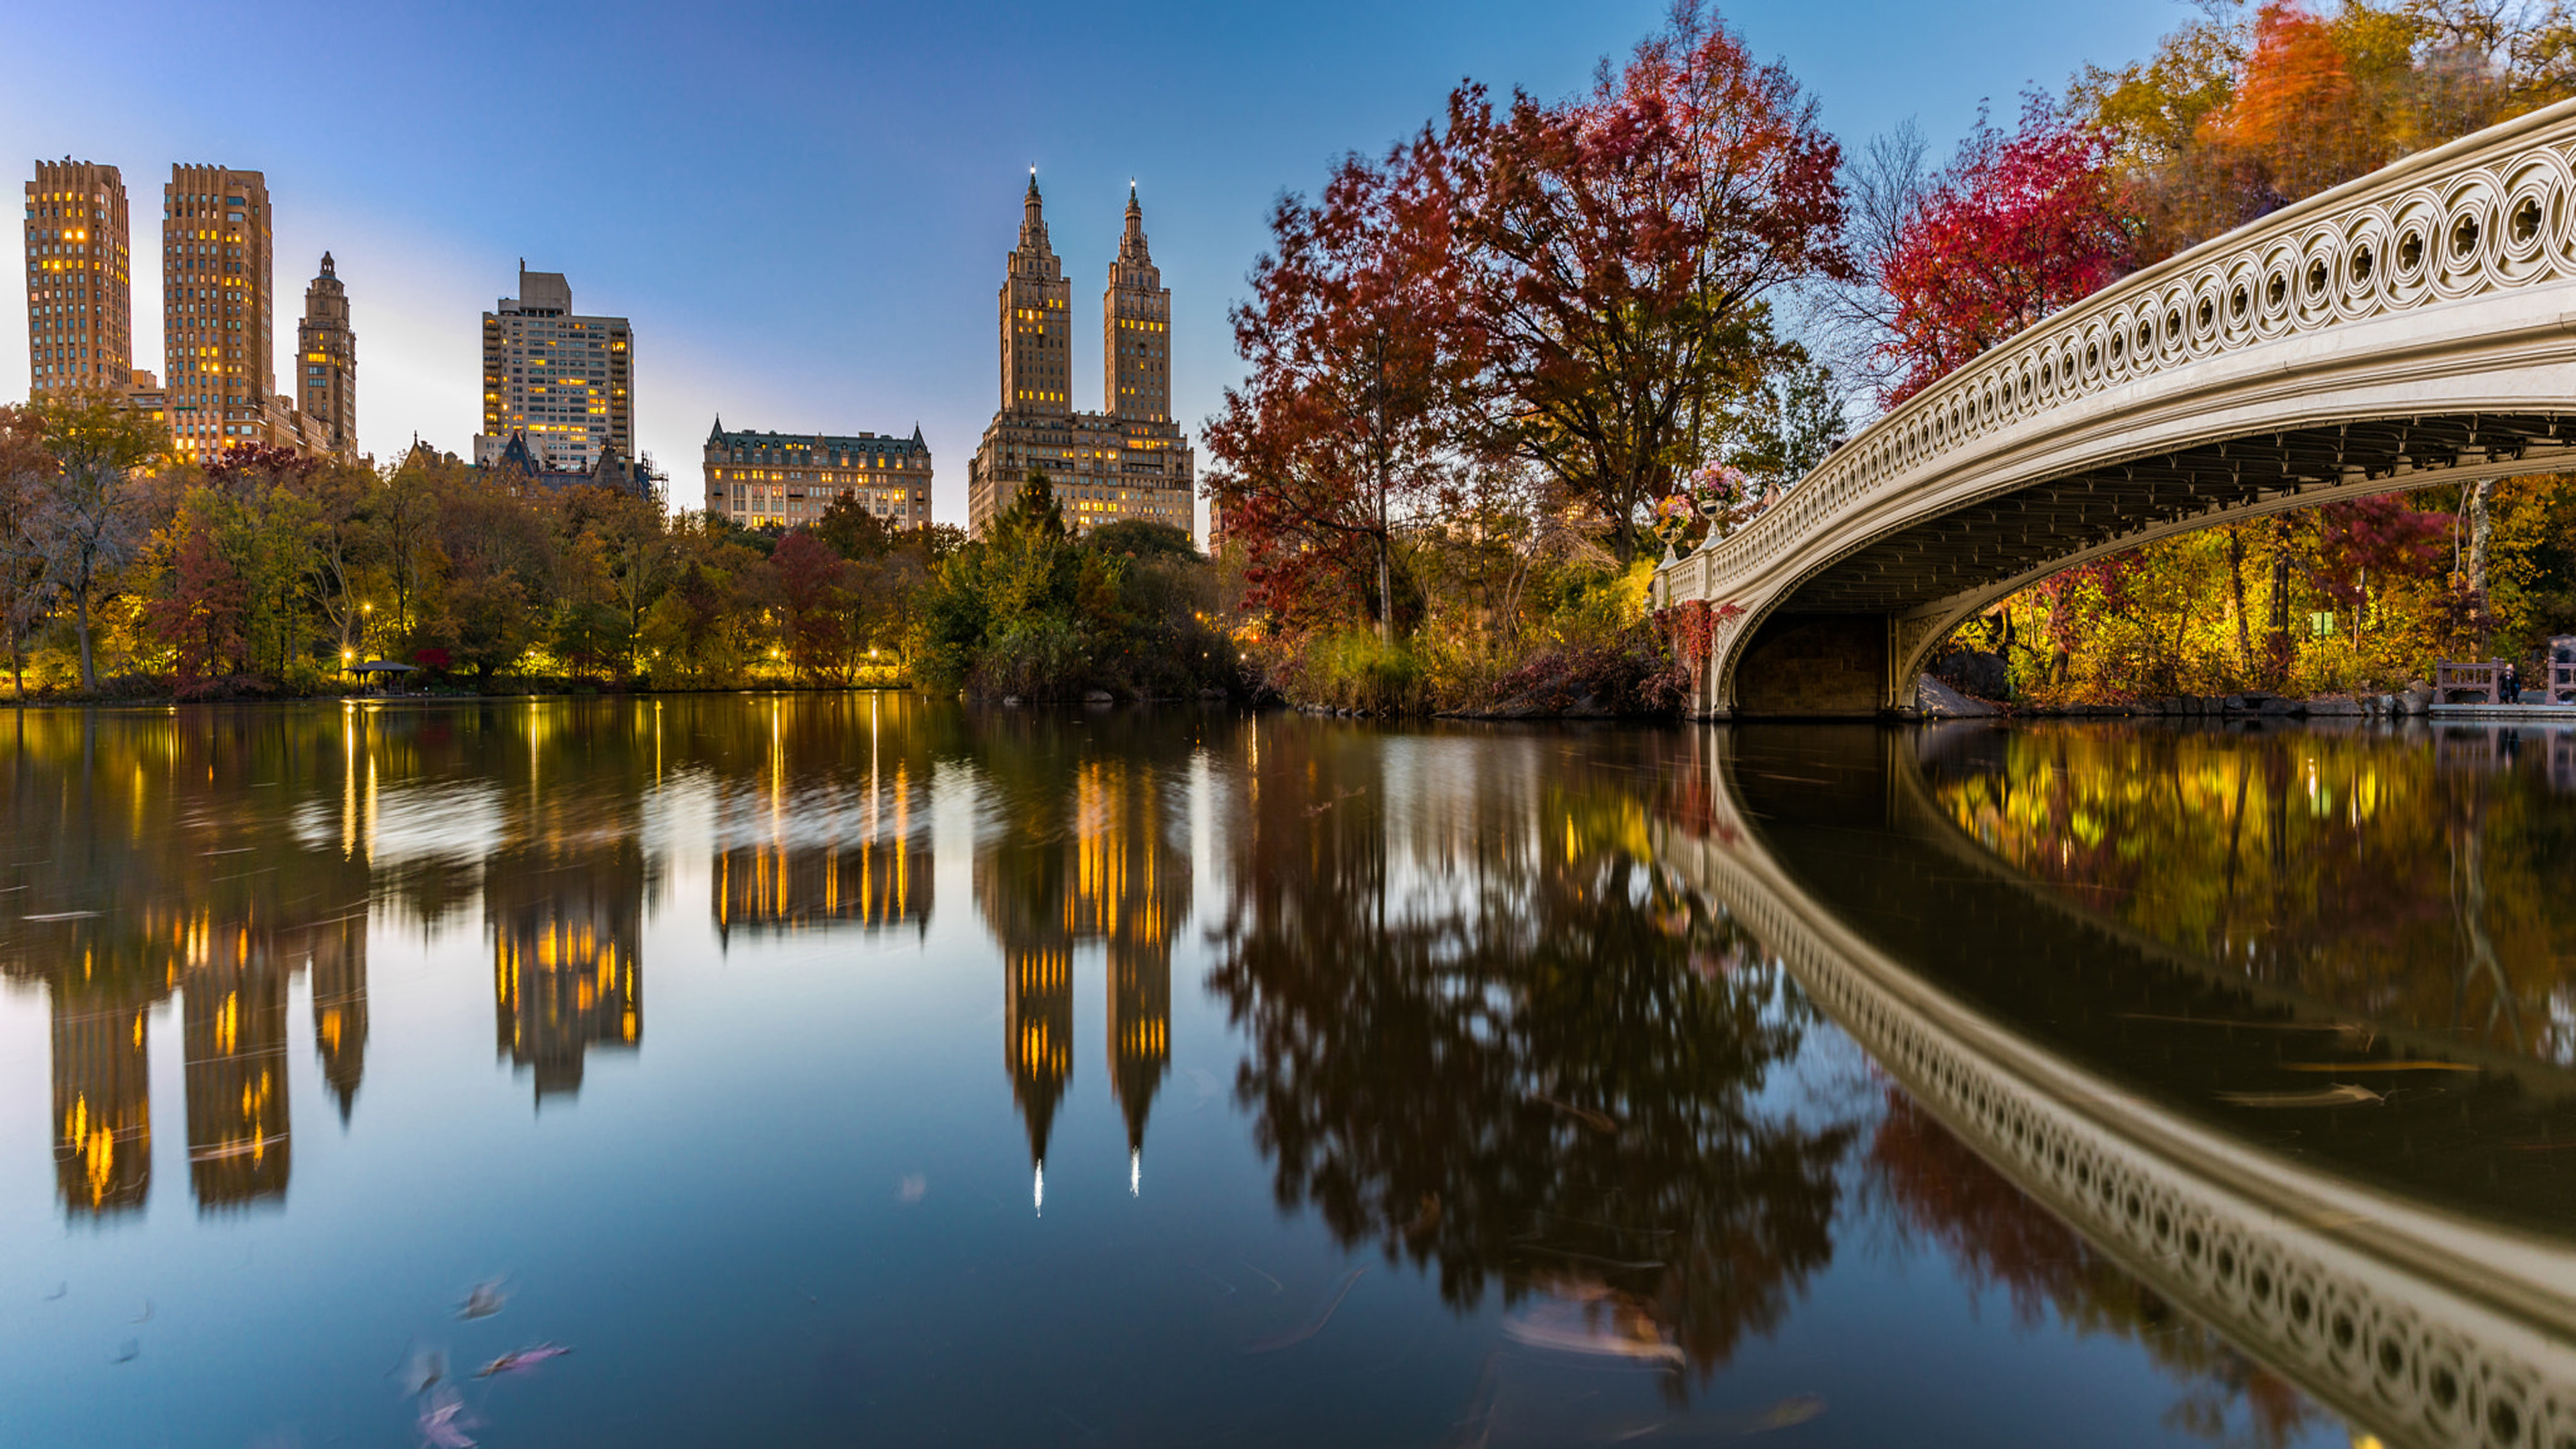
94 512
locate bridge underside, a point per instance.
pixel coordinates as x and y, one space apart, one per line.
1849 638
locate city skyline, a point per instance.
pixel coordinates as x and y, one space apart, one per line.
841 268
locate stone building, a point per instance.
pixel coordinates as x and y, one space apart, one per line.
785 479
1128 460
326 364
564 382
519 465
80 289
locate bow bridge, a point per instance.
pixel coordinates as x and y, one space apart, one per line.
2416 326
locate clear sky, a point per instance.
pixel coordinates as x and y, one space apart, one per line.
804 208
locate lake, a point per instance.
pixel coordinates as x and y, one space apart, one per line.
859 1069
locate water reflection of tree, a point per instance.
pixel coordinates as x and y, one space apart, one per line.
1488 1036
2420 886
1997 1237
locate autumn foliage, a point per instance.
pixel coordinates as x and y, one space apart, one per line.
1478 362
2020 225
2236 115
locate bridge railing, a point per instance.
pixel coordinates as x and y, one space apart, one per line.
2496 209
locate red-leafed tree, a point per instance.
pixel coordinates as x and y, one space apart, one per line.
205 614
2019 226
1615 253
1340 433
814 599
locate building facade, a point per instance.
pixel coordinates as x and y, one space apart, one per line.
80 278
1127 461
518 466
326 363
218 339
565 382
784 479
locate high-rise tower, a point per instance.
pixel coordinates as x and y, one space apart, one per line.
1136 329
326 363
217 307
1037 320
566 383
80 289
1126 462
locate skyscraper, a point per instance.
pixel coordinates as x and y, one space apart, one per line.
564 382
80 289
1127 461
326 363
217 307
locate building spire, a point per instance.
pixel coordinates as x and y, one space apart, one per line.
1033 232
326 266
1131 243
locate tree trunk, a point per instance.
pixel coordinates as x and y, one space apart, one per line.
89 675
2236 589
1385 596
2481 531
2280 641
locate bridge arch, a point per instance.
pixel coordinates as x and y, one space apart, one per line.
2413 327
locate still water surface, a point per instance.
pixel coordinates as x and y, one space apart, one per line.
861 1070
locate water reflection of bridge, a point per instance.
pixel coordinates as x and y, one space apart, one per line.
2426 1313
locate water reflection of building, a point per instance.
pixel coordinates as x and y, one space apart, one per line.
102 1104
876 883
566 959
1037 1041
339 966
1101 870
234 1034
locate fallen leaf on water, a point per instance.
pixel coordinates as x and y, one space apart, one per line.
521 1359
1795 1409
1575 1328
421 1371
485 1300
1598 1121
1273 1345
2425 1066
443 1421
2341 1094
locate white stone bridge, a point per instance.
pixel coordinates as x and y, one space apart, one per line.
2413 327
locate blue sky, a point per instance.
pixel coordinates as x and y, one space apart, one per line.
804 207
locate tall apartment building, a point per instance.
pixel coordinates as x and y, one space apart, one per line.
565 383
217 311
326 364
1130 460
80 287
790 478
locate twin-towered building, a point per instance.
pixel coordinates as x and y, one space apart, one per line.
1127 461
217 311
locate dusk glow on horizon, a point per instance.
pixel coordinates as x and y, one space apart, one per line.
804 210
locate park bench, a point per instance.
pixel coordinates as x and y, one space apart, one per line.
2562 682
2481 683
